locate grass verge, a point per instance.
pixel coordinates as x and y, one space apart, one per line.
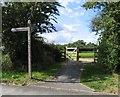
98 79
22 78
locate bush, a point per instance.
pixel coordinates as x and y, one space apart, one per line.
108 55
6 62
43 55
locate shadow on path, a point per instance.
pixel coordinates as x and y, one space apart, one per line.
70 73
68 78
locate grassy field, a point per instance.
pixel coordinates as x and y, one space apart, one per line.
21 78
82 55
86 54
96 78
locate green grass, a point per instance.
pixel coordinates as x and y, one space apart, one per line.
86 54
82 54
98 79
22 78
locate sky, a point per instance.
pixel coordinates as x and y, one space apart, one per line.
73 24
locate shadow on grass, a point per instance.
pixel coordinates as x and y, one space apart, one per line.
94 72
20 77
37 79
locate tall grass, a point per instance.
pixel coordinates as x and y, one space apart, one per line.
21 77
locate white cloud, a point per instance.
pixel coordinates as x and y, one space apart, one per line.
63 37
49 36
78 7
69 32
76 14
67 1
70 28
69 10
60 37
71 13
82 13
66 11
66 35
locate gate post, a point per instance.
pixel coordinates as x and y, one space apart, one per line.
95 54
77 53
65 52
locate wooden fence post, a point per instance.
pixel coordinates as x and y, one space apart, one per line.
95 54
65 52
77 53
28 29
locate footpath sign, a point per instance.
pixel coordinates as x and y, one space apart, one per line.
28 29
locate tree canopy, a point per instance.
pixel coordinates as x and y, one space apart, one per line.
81 44
16 14
107 24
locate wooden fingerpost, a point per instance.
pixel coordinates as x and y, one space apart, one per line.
95 54
29 49
28 29
65 52
77 53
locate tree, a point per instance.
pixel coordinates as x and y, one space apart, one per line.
79 43
16 14
107 23
91 45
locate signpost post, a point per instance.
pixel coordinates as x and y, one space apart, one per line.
29 44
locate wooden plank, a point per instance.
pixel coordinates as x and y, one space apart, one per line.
77 54
19 29
71 48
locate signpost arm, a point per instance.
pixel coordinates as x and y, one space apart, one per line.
29 49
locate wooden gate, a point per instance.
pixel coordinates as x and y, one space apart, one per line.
72 53
77 54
